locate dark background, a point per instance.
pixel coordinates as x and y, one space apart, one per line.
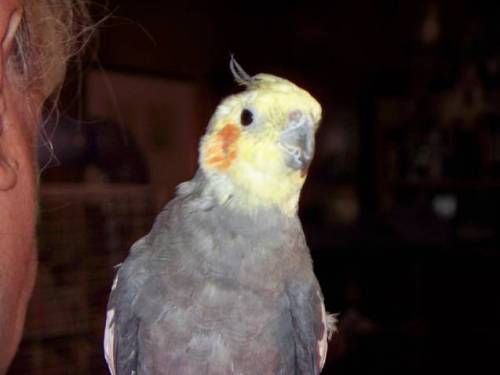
400 205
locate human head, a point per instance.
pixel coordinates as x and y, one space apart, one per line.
37 38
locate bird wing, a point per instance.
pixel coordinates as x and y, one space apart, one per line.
122 321
309 322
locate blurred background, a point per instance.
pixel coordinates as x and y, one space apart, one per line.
400 205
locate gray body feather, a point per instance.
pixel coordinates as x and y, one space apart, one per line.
213 291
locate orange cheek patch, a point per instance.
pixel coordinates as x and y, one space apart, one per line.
221 151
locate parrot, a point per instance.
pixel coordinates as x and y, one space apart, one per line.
224 283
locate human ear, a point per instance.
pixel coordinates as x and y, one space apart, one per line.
9 23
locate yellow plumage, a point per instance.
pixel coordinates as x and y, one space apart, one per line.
249 163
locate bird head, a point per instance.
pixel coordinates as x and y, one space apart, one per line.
260 142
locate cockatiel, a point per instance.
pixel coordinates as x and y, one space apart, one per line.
223 283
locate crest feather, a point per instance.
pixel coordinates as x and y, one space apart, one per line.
260 80
240 76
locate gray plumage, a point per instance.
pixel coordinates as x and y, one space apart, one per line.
213 291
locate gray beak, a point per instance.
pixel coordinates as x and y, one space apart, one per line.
297 140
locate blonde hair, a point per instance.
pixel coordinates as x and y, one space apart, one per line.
50 34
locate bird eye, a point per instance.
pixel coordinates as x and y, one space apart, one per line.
246 117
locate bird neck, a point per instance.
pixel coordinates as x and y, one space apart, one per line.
252 193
